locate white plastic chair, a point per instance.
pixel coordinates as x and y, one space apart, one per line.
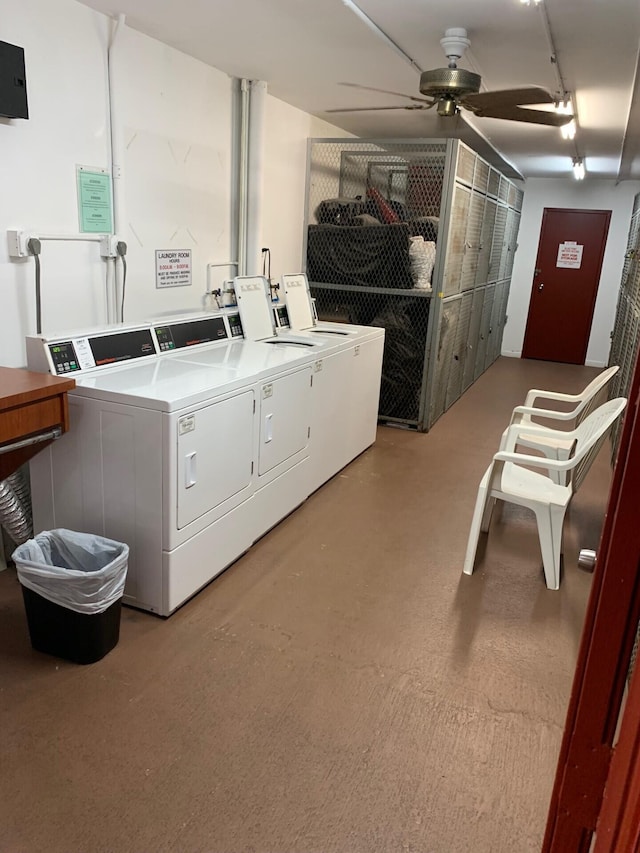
506 479
554 446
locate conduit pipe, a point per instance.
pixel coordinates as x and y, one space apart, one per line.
116 156
243 176
257 108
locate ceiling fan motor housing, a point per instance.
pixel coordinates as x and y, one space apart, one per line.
449 83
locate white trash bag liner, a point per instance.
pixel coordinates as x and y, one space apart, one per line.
79 571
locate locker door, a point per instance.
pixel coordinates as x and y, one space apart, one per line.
468 373
454 388
448 326
481 353
456 240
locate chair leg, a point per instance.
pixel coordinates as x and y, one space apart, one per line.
550 520
486 515
474 533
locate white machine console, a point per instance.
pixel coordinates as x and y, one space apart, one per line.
80 354
299 309
298 300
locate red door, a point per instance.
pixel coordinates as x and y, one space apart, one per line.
565 284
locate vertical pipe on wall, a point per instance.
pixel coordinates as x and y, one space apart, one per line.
116 157
257 107
243 177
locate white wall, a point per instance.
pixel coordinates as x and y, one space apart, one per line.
174 113
66 86
286 133
588 194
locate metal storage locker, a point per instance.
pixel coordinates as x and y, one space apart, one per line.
436 345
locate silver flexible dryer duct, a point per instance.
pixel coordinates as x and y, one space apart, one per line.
15 508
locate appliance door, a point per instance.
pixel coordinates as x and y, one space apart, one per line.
285 418
215 458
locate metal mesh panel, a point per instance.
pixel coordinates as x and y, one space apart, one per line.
404 316
459 349
456 243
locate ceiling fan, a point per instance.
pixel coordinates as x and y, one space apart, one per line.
449 89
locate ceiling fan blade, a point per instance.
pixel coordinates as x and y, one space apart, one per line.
515 113
509 97
386 92
373 109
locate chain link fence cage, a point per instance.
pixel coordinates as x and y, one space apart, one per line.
416 236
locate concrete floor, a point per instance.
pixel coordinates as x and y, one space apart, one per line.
341 688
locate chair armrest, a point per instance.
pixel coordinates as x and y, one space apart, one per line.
532 411
515 430
536 461
536 393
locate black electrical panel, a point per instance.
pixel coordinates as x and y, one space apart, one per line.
13 82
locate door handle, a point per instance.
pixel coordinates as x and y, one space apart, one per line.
190 470
541 287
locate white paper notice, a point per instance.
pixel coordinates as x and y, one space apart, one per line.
173 267
569 256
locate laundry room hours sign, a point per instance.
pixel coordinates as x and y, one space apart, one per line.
173 267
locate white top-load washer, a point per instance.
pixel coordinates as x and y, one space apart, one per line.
361 369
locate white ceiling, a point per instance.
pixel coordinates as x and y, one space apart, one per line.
303 49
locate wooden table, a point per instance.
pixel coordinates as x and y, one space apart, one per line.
32 407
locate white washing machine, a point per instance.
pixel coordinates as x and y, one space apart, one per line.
361 371
347 368
167 452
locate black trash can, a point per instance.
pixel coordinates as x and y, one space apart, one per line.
72 586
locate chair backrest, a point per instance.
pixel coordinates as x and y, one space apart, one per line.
591 396
588 399
590 436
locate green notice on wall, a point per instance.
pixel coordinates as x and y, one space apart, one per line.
94 200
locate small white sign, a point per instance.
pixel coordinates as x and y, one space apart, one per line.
569 256
173 267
